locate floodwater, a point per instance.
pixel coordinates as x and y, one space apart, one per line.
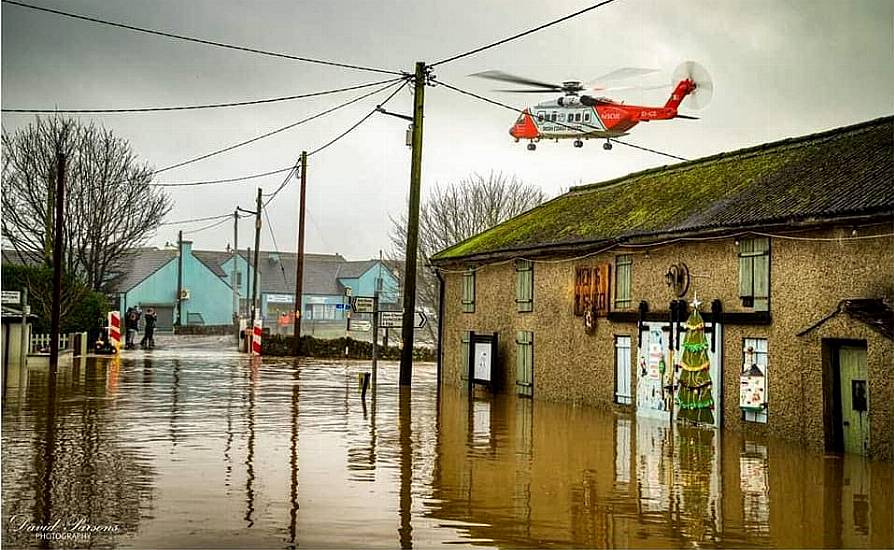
205 448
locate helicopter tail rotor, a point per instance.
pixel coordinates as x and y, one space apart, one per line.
704 86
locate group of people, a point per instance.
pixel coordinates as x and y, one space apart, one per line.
132 325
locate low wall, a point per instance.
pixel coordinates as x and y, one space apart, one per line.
205 329
283 346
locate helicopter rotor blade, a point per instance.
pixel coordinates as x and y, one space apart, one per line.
624 72
517 91
506 77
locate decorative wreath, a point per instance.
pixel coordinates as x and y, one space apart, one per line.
590 321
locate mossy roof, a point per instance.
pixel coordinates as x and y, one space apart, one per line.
842 172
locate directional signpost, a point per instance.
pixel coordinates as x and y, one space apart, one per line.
363 304
12 297
360 326
394 319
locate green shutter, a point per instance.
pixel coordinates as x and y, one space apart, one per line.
524 358
524 285
469 291
754 272
464 368
746 268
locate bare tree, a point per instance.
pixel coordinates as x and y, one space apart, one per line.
110 206
453 213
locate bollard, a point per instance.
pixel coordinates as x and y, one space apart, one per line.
364 385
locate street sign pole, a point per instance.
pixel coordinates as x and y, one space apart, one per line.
23 351
375 333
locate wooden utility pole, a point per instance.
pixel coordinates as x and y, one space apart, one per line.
299 261
58 233
235 280
406 353
254 283
179 278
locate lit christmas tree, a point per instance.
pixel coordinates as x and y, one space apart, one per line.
695 396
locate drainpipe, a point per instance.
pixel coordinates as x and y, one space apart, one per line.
179 278
440 346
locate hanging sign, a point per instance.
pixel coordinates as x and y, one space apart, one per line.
591 290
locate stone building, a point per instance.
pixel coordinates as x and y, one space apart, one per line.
787 246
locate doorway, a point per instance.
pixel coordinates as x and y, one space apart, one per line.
846 396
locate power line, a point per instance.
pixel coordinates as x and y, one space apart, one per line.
192 220
275 246
278 130
210 226
338 137
200 40
196 107
227 180
359 122
521 34
583 132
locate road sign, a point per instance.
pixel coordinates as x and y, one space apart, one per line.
360 326
340 306
394 319
362 304
12 297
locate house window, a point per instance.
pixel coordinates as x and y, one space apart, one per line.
469 291
524 285
524 361
623 265
754 380
622 370
754 273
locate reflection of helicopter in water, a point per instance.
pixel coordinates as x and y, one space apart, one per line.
576 116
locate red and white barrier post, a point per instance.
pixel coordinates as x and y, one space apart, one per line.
115 329
256 338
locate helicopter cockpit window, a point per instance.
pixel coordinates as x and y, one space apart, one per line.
540 116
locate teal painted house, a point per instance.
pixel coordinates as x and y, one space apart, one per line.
150 280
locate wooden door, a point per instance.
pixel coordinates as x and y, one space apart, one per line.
854 399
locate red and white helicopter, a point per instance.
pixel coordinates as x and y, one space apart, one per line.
580 117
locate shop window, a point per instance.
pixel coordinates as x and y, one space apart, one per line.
622 370
469 291
524 360
623 265
754 273
524 285
753 393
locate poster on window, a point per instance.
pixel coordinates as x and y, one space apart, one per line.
753 389
482 357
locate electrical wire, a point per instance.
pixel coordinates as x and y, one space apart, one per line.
359 122
200 40
338 137
192 220
210 226
583 132
196 107
227 180
278 130
279 188
275 246
521 34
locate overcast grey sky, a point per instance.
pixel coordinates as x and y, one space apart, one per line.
780 69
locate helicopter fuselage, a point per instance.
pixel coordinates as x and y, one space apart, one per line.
582 117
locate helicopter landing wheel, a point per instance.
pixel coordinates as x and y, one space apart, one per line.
578 143
532 146
607 146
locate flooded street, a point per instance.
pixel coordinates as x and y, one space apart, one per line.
204 448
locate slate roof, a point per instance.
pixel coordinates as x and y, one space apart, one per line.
321 272
139 265
874 312
843 172
353 270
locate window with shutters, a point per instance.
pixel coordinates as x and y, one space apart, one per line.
524 359
755 361
469 291
623 266
754 273
524 285
622 370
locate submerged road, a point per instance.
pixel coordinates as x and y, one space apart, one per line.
202 447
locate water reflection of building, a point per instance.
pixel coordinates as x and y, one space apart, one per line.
584 292
67 460
562 475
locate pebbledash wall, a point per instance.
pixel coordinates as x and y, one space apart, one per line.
808 279
824 203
